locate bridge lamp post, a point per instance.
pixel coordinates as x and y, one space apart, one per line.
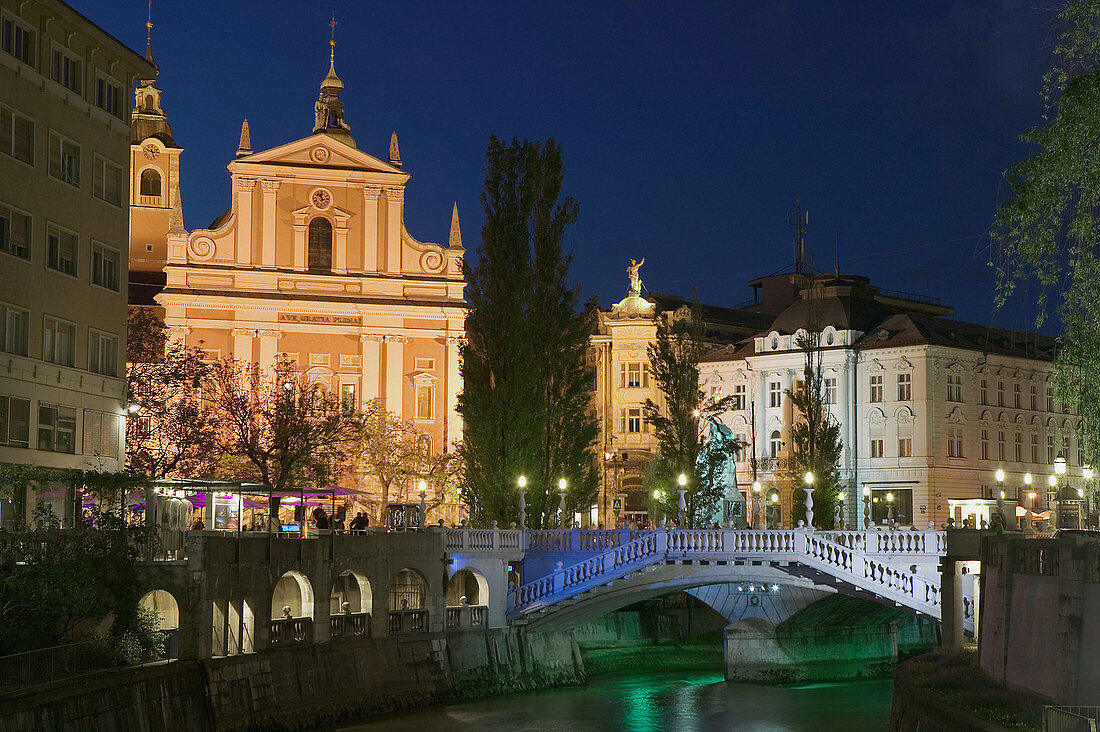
775 502
1059 471
682 481
756 504
423 508
808 479
1000 476
523 502
1028 529
561 506
657 497
866 508
1086 473
838 517
890 510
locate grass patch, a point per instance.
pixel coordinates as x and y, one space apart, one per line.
957 678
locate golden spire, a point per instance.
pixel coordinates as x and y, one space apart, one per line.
332 81
149 35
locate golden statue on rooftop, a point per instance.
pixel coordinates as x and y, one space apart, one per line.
635 279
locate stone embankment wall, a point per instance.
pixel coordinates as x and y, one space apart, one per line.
915 710
306 686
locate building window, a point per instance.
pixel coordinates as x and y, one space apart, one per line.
424 401
320 245
1034 448
58 341
983 392
985 444
150 182
634 375
65 70
1050 398
954 388
775 444
105 266
1019 448
106 181
905 387
61 247
102 353
1016 396
347 398
738 396
15 421
1000 393
905 447
634 420
1050 449
954 442
56 429
14 329
1034 397
101 432
876 387
830 390
17 135
64 159
775 394
15 233
108 96
18 40
900 508
877 448
1001 445
1065 447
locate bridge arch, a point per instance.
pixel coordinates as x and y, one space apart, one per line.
293 594
408 591
355 590
164 604
470 584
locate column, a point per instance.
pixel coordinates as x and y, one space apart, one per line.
761 414
242 343
267 237
394 200
371 243
370 365
395 365
244 219
452 425
340 247
269 346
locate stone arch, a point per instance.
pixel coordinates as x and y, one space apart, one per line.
469 583
293 591
164 604
876 416
355 590
408 591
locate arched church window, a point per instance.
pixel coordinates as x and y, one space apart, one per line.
150 182
320 244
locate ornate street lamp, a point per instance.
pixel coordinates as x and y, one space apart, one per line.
1000 475
756 504
658 497
890 510
866 508
838 514
423 509
775 502
1029 530
561 506
682 481
523 502
808 479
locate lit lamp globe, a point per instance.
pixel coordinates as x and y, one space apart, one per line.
1086 472
522 481
866 492
756 486
808 478
1000 475
1080 492
1052 481
423 488
841 496
775 498
657 495
561 485
1027 478
1060 465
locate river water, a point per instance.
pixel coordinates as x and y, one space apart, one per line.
675 700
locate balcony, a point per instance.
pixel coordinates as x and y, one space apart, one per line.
350 625
408 621
466 616
291 631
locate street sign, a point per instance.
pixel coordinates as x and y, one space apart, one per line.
617 504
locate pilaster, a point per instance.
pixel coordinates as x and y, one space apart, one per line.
370 348
245 187
395 198
269 346
267 237
242 343
372 240
395 364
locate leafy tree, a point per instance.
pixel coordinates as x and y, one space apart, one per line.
674 362
526 381
1048 229
172 432
387 450
815 439
282 427
59 583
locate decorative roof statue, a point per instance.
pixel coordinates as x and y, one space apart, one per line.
635 279
328 111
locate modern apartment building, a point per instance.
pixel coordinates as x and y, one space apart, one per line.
64 151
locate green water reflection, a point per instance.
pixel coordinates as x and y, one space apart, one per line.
644 702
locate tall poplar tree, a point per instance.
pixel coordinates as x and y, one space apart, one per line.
526 381
674 362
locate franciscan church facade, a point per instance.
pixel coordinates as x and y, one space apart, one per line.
311 262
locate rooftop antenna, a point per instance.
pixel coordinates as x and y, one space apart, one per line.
799 220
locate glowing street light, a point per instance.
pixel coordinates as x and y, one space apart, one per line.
562 492
423 509
808 479
866 507
756 504
523 501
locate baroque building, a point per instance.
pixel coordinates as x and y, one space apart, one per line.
929 408
311 262
65 128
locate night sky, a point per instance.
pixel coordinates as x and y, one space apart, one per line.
688 129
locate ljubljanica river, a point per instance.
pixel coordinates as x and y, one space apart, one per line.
673 700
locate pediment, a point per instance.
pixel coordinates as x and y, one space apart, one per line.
322 151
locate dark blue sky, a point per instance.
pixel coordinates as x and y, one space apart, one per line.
688 129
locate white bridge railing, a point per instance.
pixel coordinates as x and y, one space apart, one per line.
873 561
